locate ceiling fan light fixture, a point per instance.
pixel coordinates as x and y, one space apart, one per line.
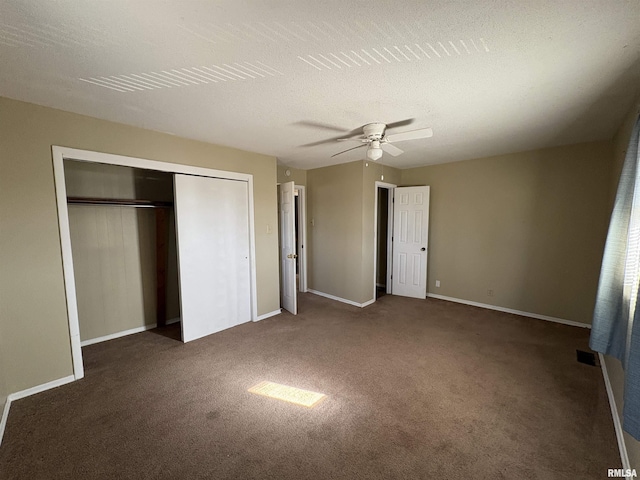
374 152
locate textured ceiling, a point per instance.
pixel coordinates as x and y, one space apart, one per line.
489 77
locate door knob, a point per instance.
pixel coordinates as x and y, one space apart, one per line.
422 249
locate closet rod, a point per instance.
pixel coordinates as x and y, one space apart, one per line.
118 202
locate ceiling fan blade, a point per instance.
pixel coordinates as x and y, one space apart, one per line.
357 139
391 149
401 123
321 142
326 126
410 135
344 136
348 150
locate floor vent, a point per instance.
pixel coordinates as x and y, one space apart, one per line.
586 357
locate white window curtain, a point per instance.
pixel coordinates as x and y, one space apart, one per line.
614 330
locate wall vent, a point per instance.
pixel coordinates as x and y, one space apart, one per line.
587 357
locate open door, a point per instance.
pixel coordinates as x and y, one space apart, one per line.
410 238
288 256
212 224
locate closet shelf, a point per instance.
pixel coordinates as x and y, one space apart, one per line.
118 202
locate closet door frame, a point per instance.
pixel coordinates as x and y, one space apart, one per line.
60 154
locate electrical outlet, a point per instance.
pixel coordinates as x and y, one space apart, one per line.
490 293
438 283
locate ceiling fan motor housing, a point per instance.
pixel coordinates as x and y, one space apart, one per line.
374 131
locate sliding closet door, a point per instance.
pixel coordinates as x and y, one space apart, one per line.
212 223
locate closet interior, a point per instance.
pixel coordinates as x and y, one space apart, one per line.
123 241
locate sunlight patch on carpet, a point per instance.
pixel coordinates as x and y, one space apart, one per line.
295 395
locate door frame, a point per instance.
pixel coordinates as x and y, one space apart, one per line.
302 233
59 154
391 187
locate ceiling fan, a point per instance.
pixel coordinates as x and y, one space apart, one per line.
374 136
376 140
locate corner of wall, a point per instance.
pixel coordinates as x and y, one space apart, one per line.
335 239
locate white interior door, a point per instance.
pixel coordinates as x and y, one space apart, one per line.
212 224
288 255
410 241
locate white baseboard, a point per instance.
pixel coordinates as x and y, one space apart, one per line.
124 333
622 446
41 388
267 315
510 310
343 300
111 336
25 393
5 415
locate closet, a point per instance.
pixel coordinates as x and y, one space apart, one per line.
152 247
123 240
146 242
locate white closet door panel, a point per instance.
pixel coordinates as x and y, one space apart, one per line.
212 223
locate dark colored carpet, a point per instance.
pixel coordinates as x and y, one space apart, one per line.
417 390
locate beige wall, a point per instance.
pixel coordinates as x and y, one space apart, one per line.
614 367
620 145
341 202
5 359
33 320
528 226
298 176
334 216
